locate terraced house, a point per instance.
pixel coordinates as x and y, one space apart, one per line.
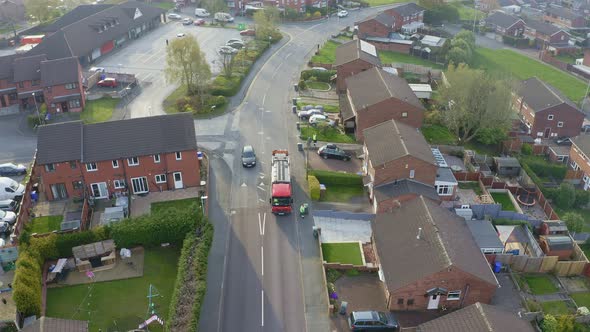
580 158
132 156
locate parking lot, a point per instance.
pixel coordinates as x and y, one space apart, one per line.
18 142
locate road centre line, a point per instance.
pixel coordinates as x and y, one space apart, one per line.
261 223
263 99
262 307
262 258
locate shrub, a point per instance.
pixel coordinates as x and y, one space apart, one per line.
542 168
65 242
320 75
317 14
582 198
314 187
33 120
526 149
223 86
27 284
337 178
549 324
574 222
302 85
44 247
565 195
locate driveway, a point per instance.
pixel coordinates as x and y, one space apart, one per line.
18 141
507 295
317 162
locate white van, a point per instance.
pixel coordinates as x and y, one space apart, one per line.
10 189
223 17
201 12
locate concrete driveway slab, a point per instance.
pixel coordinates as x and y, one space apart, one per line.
317 162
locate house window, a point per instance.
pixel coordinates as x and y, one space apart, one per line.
410 302
73 165
91 167
35 82
12 96
77 185
400 301
404 114
412 174
74 103
71 86
178 155
575 166
115 164
454 295
550 117
560 124
133 161
444 190
539 134
156 158
48 89
50 168
119 184
161 178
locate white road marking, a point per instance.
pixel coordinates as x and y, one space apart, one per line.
261 188
262 307
276 71
259 223
263 222
263 99
288 55
262 257
244 184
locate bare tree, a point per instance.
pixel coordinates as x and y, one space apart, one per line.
186 64
226 62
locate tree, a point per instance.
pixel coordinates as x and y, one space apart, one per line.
226 62
441 13
565 195
186 64
42 10
265 22
549 324
467 36
475 101
461 48
490 136
574 222
215 6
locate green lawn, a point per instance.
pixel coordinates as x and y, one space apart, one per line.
489 150
121 304
582 299
374 3
180 204
327 53
99 110
556 308
327 108
318 86
327 134
471 185
540 284
438 134
345 253
45 224
388 57
468 13
504 200
522 67
342 193
164 5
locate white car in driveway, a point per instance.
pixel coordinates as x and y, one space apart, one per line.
174 16
342 13
7 217
227 50
317 119
180 35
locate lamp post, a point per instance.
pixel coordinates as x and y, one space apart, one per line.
269 39
37 108
203 200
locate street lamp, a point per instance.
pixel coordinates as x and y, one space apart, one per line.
269 39
37 108
203 200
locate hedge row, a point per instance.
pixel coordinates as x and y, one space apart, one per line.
314 187
337 178
320 75
544 169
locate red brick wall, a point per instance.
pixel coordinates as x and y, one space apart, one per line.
349 69
386 110
393 47
400 169
572 121
400 21
516 30
373 28
453 280
557 38
586 61
4 84
60 90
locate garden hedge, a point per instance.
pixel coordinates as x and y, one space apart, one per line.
314 187
543 168
337 178
321 75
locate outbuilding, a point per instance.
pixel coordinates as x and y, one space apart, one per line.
507 166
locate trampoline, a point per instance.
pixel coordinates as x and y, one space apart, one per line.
527 198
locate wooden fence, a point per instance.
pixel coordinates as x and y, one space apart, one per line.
24 211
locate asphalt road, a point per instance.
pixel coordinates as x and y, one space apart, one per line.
17 141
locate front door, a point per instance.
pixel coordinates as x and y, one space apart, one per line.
433 301
547 132
140 185
59 191
177 180
99 190
64 106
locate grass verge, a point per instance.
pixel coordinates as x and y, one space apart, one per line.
374 3
327 134
318 86
45 224
345 253
504 200
327 53
540 284
99 110
180 204
438 134
342 193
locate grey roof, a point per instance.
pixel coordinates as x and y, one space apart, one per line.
54 46
403 187
345 108
542 27
392 140
556 225
581 237
351 51
375 85
116 139
75 15
445 243
47 324
506 162
582 142
558 242
28 68
6 68
60 71
380 17
484 234
502 19
563 12
408 9
445 174
477 317
539 95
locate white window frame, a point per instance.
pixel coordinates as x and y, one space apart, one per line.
404 114
156 159
133 161
454 295
141 181
575 166
444 189
160 178
412 173
560 124
178 155
50 168
119 184
91 167
550 117
115 163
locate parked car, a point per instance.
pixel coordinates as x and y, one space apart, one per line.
372 321
342 13
306 114
180 34
234 40
223 17
201 12
97 70
10 189
248 156
199 22
4 227
9 169
319 68
8 205
187 21
227 50
8 217
235 44
174 16
334 152
320 119
248 32
108 82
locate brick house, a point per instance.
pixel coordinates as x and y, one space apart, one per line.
352 58
392 195
27 77
428 259
63 89
8 93
478 317
406 14
545 34
132 156
375 96
586 61
580 157
545 111
504 24
564 17
377 25
395 151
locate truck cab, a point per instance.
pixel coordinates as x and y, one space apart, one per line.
281 193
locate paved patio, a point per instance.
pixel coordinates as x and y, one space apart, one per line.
8 309
142 205
339 226
316 162
575 284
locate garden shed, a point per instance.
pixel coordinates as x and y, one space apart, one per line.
557 245
485 236
507 166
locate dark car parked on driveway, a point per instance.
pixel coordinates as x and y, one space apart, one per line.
10 169
372 321
332 151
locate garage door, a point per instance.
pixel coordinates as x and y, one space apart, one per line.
95 53
107 47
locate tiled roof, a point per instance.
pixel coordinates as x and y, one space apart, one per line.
60 71
28 68
381 17
502 19
582 142
539 95
75 15
353 50
6 68
408 9
547 29
404 187
563 13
